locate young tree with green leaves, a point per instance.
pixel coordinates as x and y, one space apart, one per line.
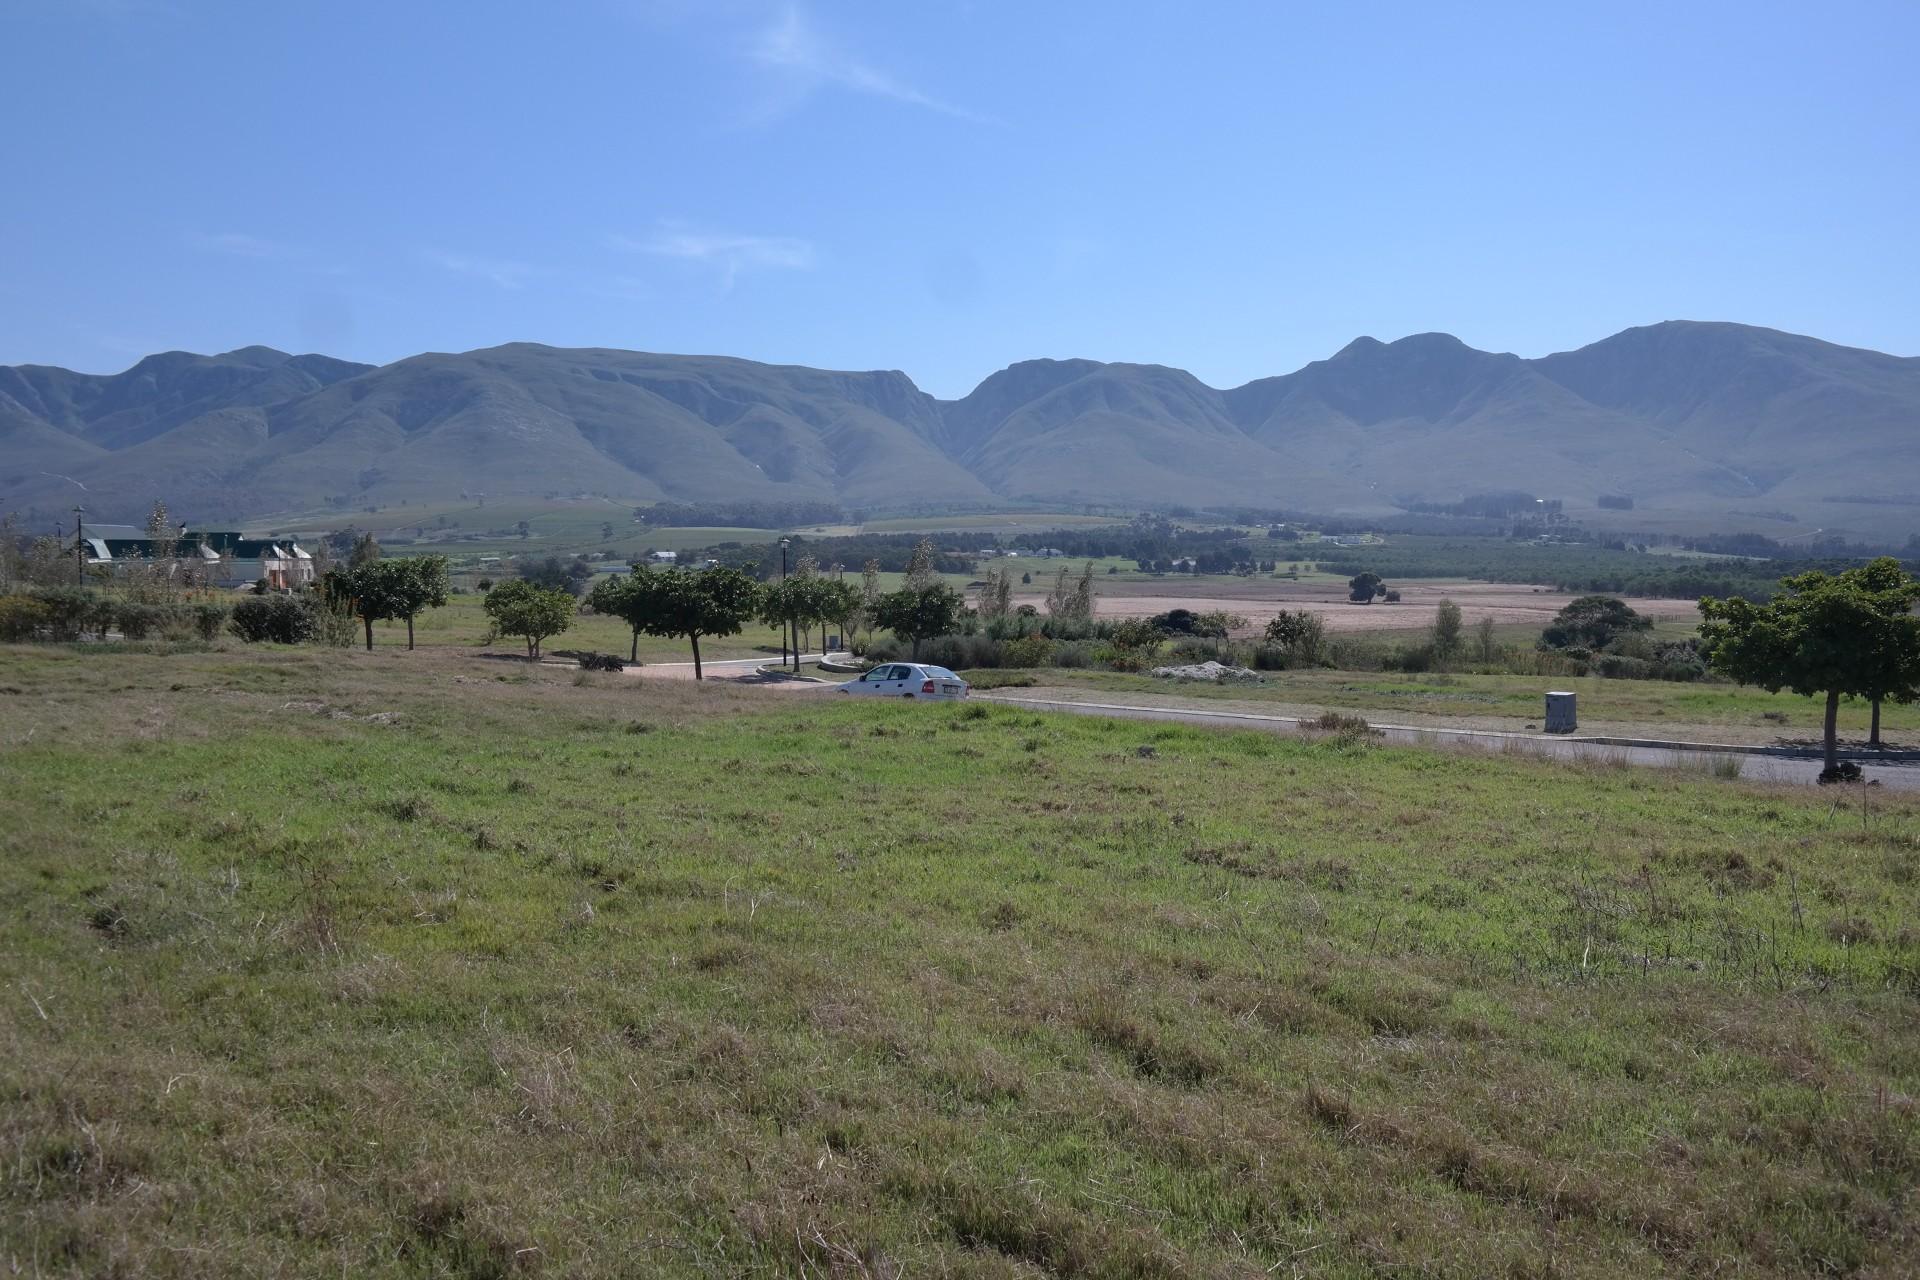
689 604
996 593
920 574
783 605
1446 631
1300 633
421 584
1846 635
519 608
624 596
399 588
918 616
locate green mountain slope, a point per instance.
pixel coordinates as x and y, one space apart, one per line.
1687 417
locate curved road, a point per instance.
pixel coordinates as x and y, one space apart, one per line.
1755 766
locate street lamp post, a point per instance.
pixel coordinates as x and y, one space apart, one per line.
785 623
79 549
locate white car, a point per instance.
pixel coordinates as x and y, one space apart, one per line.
908 680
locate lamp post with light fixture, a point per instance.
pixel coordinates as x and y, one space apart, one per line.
785 623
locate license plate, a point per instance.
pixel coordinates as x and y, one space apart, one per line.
949 688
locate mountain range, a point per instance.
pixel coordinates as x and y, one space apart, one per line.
1750 425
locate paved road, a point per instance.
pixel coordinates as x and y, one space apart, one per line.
1754 766
739 670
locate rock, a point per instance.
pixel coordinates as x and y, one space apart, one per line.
1209 670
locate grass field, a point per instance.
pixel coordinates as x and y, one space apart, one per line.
323 963
1663 708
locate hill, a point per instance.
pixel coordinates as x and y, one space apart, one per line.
1749 426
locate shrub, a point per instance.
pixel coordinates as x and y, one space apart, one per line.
601 662
136 620
957 653
1132 660
1410 658
72 612
21 617
1616 666
1196 649
885 649
1074 654
276 619
1027 651
208 618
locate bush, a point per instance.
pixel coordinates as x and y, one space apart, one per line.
1197 649
1616 666
208 618
73 612
601 662
21 617
136 620
1130 660
960 652
1027 651
275 619
1269 657
1410 658
1074 655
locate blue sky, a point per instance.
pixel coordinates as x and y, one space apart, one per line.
946 187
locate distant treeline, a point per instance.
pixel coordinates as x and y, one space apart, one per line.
744 515
1489 506
1572 568
1141 540
892 550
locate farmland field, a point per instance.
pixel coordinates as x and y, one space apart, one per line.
322 963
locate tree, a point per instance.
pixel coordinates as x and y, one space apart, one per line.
1301 633
1446 631
366 549
623 596
1483 642
555 574
420 582
1592 622
920 615
1846 635
1364 587
381 589
784 604
838 603
1891 592
519 608
920 574
996 593
708 602
1072 599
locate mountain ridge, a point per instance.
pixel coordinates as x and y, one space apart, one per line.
1682 415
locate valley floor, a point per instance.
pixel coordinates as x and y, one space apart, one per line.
423 965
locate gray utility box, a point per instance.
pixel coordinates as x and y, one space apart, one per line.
1560 713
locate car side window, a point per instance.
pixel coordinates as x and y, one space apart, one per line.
897 673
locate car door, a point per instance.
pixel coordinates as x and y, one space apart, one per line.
880 680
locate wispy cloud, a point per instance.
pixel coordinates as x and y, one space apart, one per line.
499 272
239 245
790 46
731 252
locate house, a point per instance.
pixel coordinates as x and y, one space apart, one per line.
214 558
664 557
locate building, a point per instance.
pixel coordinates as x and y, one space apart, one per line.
213 558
